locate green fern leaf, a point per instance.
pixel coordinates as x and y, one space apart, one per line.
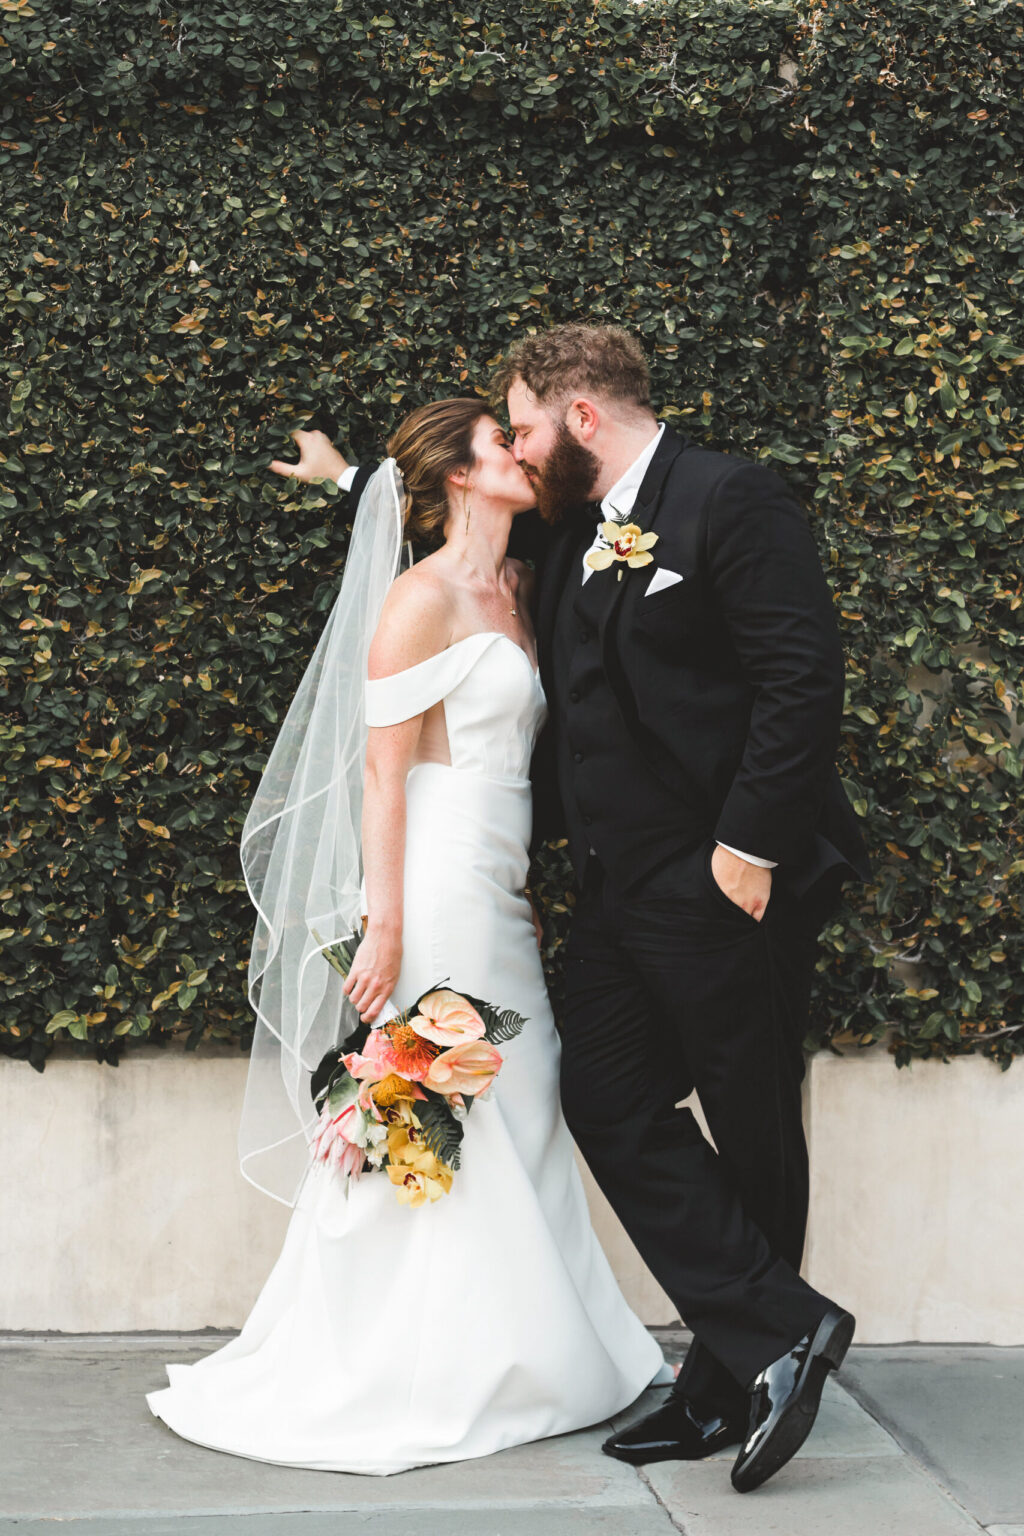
502 1023
442 1133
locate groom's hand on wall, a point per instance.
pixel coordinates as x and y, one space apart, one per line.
318 458
748 885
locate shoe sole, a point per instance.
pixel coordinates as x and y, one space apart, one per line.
798 1421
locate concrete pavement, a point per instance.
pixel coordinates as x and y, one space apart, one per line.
912 1441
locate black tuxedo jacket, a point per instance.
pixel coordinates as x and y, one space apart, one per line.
732 679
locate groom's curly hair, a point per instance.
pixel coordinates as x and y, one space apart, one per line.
573 359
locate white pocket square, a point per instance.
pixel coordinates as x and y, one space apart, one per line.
660 580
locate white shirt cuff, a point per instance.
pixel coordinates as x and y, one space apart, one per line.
751 858
347 476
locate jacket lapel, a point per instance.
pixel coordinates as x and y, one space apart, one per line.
648 499
557 569
645 511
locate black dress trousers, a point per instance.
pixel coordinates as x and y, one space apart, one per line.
672 987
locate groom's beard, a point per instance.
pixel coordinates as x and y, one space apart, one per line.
567 479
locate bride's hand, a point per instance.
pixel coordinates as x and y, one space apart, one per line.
374 973
318 458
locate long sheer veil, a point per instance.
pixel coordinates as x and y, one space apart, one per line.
300 853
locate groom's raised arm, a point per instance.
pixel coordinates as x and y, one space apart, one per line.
766 574
352 483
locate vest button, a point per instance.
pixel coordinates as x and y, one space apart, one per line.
577 757
574 696
587 820
584 635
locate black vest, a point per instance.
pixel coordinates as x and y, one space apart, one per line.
613 802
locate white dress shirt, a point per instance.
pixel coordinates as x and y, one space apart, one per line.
618 503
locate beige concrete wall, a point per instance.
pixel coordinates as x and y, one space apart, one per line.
121 1205
917 1196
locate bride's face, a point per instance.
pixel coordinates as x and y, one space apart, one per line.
495 474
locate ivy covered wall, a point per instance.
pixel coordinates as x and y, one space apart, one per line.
220 224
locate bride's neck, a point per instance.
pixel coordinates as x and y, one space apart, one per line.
480 542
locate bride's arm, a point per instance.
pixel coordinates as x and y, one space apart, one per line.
414 625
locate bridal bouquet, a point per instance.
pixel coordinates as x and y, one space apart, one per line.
396 1096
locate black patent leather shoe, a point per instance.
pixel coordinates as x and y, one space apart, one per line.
677 1431
784 1400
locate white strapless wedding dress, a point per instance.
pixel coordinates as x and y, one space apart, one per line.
388 1337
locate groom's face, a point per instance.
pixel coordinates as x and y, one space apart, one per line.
561 469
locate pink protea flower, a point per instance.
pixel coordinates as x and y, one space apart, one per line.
332 1144
332 1125
347 1159
446 1018
469 1068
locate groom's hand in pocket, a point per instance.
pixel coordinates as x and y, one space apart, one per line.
746 884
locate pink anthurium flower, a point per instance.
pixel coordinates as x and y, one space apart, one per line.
446 1018
470 1068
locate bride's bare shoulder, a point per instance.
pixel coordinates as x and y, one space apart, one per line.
415 621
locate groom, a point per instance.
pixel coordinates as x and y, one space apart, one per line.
695 700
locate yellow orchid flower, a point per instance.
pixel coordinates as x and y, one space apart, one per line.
627 543
405 1143
426 1180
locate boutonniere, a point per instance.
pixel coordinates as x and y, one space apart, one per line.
627 545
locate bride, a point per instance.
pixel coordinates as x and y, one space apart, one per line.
388 1337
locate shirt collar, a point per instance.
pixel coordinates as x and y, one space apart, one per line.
618 503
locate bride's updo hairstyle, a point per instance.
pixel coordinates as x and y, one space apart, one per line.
430 444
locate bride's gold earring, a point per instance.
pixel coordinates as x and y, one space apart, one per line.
468 510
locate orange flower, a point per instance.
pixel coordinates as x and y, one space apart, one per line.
390 1089
407 1052
447 1018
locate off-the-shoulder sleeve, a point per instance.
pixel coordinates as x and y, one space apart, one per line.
390 700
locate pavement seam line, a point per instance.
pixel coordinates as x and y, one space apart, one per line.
642 1475
874 1412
